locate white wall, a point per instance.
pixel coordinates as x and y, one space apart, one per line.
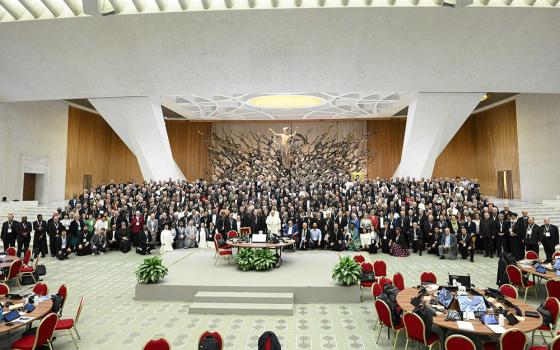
33 130
538 130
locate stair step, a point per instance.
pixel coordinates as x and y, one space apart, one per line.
244 297
241 309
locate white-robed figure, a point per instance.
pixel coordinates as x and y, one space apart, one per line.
201 239
273 222
167 237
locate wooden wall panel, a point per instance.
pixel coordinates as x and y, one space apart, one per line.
189 145
385 141
459 156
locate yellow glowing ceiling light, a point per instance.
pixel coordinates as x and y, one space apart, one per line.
286 102
484 98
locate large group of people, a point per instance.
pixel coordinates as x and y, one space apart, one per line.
444 217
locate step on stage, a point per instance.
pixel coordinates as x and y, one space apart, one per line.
304 277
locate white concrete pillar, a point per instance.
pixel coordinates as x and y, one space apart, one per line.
139 123
433 119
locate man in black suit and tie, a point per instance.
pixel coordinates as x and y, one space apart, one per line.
73 202
9 230
549 238
40 237
23 235
416 238
532 236
502 232
54 227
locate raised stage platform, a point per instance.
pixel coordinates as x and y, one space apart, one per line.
305 274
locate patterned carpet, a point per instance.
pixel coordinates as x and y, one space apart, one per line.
112 319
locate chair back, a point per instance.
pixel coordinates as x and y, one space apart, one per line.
513 339
14 269
79 312
415 328
359 258
553 288
45 330
459 342
383 282
63 292
4 289
556 255
245 231
41 289
157 344
11 251
428 277
232 234
398 280
216 247
376 290
380 268
531 255
514 275
553 305
509 291
383 313
214 335
26 257
555 343
367 267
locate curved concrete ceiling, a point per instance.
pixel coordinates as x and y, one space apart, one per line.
231 52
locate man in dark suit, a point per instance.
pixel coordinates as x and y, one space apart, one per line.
549 238
488 233
62 246
54 227
532 236
73 202
518 226
231 222
9 230
416 238
502 232
23 235
464 244
40 237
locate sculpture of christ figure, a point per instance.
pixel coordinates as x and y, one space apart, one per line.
284 142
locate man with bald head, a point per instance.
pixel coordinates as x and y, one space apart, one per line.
549 238
532 236
9 229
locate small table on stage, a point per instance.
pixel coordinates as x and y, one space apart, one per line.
41 310
527 325
276 246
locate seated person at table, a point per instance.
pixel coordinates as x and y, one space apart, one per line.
84 242
145 242
98 242
290 231
62 245
464 244
385 235
448 247
433 248
315 237
354 242
123 237
112 241
398 244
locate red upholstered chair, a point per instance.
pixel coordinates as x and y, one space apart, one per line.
385 320
512 339
416 331
63 292
383 281
380 268
4 289
245 231
26 257
29 270
555 345
428 277
13 273
459 342
553 288
552 305
376 290
398 280
41 289
214 335
42 336
366 267
509 291
531 255
556 255
359 258
157 344
69 324
232 234
11 251
221 252
516 278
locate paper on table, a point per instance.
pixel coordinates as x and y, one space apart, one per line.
496 328
467 326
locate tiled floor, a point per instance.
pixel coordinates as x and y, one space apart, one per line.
113 320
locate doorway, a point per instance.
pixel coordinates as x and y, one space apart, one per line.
87 181
29 181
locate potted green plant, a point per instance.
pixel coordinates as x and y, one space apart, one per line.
265 259
346 272
151 270
245 259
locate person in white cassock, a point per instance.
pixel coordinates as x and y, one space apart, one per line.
273 222
167 238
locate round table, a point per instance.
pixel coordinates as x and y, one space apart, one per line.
41 310
276 246
529 324
6 264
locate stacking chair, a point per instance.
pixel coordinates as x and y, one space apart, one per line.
553 288
515 278
29 270
69 324
380 268
555 345
459 342
553 305
13 273
26 257
214 335
11 251
398 280
41 289
386 320
556 255
359 259
232 234
509 291
531 255
43 335
428 277
512 339
4 289
221 252
63 292
366 267
383 281
245 231
157 344
416 331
